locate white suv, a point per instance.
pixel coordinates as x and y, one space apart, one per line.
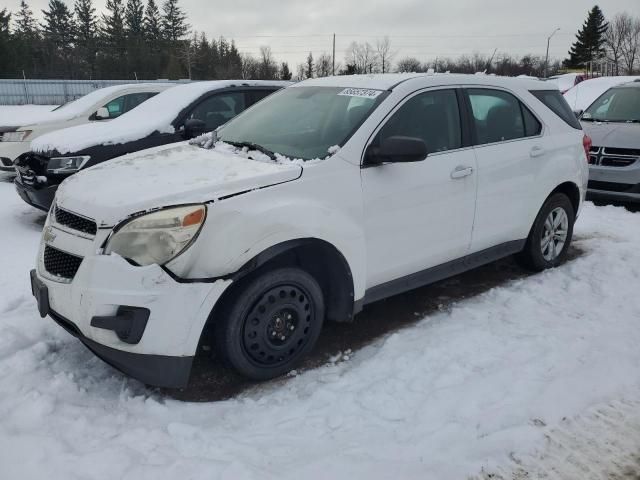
324 197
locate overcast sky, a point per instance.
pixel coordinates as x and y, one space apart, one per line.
422 28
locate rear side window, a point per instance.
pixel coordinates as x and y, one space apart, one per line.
499 116
554 100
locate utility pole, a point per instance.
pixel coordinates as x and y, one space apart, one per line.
333 66
546 58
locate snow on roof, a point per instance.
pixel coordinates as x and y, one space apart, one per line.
386 81
80 106
156 114
585 93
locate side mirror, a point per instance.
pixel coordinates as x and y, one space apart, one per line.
397 149
194 127
578 113
102 113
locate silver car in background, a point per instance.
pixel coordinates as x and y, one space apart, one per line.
613 123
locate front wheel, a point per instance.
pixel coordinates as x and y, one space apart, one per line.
270 323
550 236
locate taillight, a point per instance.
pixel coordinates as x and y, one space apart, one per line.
586 143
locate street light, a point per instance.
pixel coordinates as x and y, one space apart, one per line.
546 60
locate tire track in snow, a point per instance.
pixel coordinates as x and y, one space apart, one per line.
601 444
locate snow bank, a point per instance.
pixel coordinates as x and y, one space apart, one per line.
17 115
585 93
156 114
462 389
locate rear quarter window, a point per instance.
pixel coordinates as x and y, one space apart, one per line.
555 102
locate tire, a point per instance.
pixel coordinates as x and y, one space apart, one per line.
270 323
539 253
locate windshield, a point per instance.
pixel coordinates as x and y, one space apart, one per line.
615 105
302 122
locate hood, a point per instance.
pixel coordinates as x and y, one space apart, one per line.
165 176
613 135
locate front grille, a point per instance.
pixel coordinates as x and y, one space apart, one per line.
609 186
609 161
631 152
613 157
75 222
61 264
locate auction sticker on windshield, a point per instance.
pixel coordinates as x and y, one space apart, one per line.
360 92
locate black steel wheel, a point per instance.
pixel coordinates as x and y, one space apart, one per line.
270 323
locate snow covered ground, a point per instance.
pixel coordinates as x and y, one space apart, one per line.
538 377
22 114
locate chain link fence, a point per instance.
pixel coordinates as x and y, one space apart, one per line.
53 92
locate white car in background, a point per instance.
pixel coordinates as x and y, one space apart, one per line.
99 105
324 197
585 93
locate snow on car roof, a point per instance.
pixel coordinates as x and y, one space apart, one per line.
156 114
387 81
585 93
81 105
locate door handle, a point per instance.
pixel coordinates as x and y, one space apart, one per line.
461 172
536 152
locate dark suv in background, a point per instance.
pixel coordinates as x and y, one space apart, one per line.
177 114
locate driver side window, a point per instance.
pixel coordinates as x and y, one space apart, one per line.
218 109
433 117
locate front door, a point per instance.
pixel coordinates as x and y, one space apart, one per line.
420 214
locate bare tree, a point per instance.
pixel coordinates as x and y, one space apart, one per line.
249 67
631 45
362 56
615 36
385 55
409 65
268 66
324 65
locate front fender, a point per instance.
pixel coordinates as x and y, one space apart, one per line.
240 228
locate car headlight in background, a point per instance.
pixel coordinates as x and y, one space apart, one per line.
19 136
157 237
64 165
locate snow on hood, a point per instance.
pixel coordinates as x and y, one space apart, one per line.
154 115
585 93
76 107
164 176
613 135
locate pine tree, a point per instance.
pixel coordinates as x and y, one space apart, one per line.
6 56
151 23
113 39
590 40
86 35
59 36
174 21
134 18
26 26
308 69
285 73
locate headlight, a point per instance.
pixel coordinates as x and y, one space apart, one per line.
16 136
63 165
157 237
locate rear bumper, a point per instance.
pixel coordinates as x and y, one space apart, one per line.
41 198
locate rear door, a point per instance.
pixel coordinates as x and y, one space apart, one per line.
420 214
509 148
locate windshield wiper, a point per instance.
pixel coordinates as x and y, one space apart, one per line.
253 146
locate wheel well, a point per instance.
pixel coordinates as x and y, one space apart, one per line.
572 191
318 258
